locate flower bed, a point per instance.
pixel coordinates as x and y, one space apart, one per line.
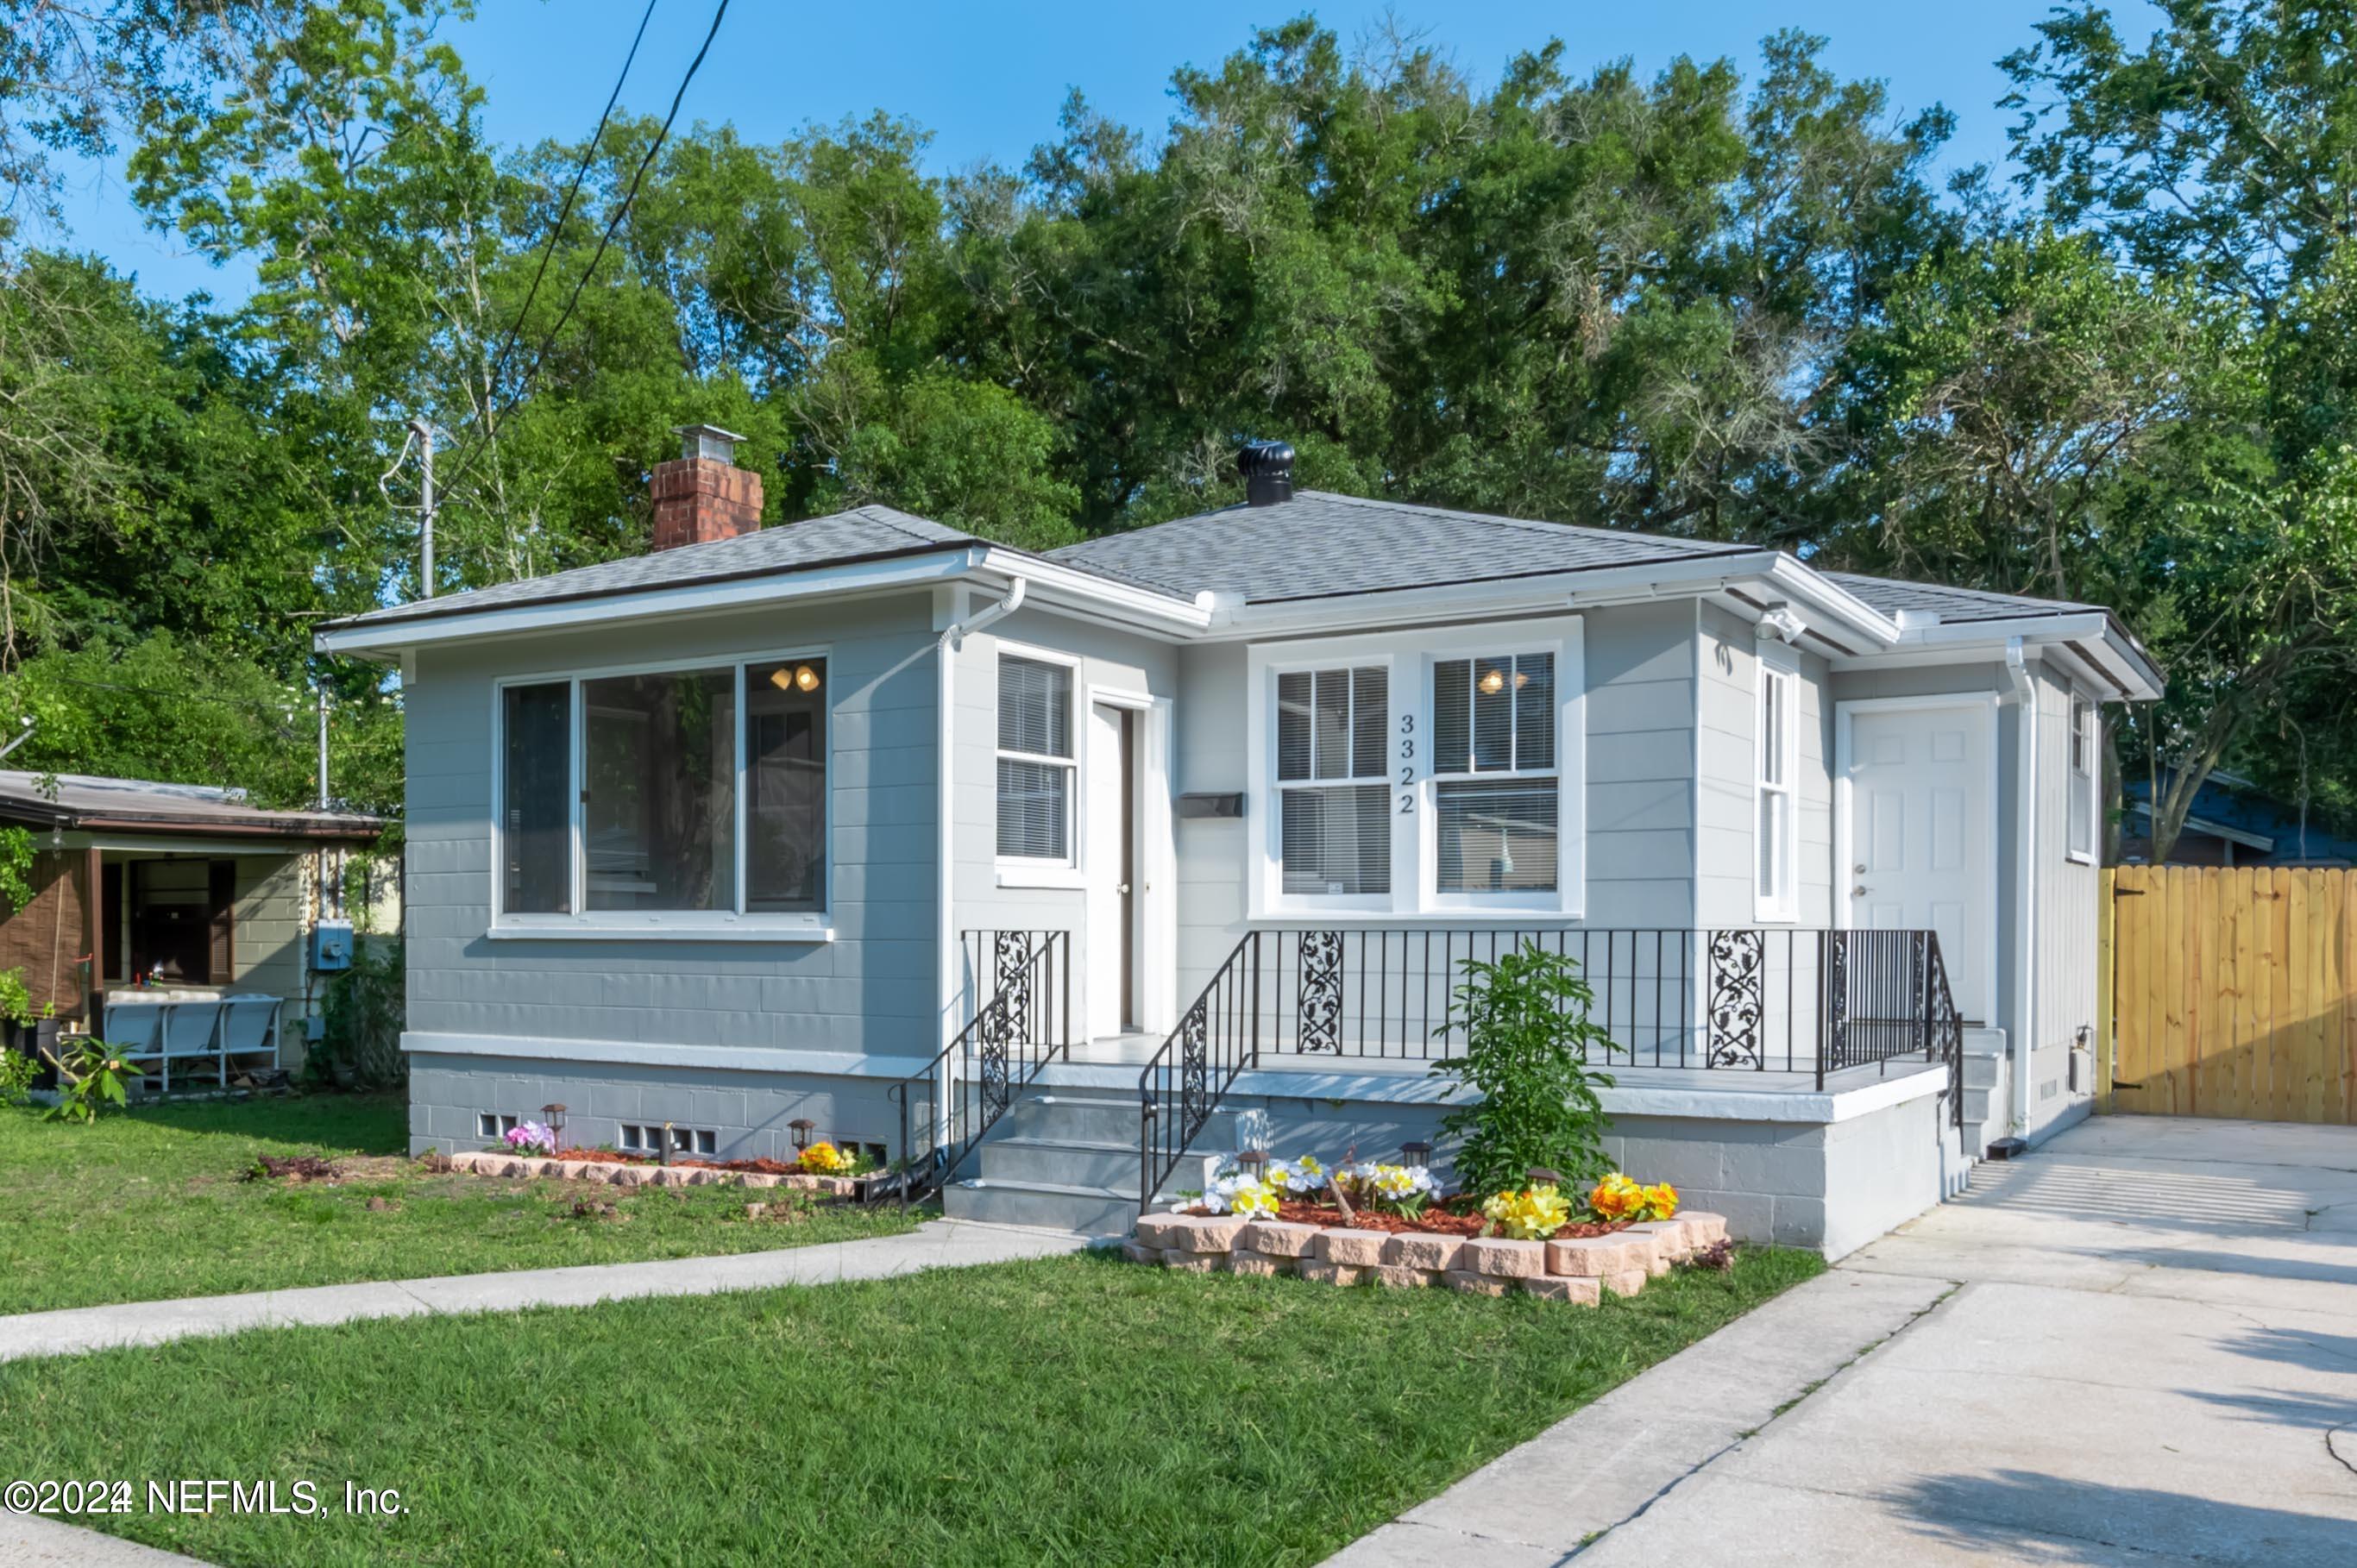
1573 1268
604 1165
1437 1222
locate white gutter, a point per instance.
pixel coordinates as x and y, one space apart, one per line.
2025 817
945 648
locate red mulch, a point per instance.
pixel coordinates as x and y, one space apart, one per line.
1436 1220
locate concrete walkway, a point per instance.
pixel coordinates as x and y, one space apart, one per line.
941 1243
2136 1345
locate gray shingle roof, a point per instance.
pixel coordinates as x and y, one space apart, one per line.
863 534
1891 595
1319 544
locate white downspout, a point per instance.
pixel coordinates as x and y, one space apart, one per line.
2025 968
945 647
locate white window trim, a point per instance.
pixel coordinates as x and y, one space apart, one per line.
713 925
1040 870
1408 659
2090 781
1782 907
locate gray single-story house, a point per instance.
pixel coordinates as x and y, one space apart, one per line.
1173 840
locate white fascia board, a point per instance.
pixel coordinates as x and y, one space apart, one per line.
1053 584
1806 583
1982 641
649 604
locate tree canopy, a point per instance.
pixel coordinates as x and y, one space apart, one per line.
1723 299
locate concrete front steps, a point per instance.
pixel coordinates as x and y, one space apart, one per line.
1061 1159
1987 1106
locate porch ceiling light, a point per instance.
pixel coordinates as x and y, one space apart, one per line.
1493 683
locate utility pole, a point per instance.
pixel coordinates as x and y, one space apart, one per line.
424 430
323 746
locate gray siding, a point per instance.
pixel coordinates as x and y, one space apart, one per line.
1109 659
1727 738
2063 999
1640 680
869 990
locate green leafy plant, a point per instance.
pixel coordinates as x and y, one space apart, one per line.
89 1078
1527 1034
363 1008
17 1071
17 872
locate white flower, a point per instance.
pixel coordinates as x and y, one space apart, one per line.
1302 1175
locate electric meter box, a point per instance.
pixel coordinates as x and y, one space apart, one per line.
331 945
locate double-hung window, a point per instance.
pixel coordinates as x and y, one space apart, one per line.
1334 811
678 798
2082 844
1035 760
1495 789
1776 760
1421 773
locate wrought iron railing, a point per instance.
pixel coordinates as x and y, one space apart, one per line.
1753 1000
1023 1023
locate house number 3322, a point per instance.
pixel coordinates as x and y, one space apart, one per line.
1408 765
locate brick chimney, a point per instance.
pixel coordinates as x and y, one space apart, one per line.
702 495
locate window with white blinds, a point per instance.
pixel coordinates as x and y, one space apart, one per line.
1495 788
1335 819
1035 759
1776 834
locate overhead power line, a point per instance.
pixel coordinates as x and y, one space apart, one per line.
482 439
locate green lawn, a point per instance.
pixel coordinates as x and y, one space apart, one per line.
1075 1411
147 1205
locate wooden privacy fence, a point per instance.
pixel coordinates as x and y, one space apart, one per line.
2230 992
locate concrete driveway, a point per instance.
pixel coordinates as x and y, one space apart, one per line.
2150 1358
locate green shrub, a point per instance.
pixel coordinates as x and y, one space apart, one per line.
363 1011
89 1078
1527 1033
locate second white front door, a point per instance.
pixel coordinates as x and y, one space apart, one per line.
1921 849
1110 961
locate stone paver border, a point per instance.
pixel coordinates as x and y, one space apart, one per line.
1577 1270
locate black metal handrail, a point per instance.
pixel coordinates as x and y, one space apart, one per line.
1024 1023
1217 1038
1752 999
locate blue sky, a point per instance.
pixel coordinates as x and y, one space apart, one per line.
988 79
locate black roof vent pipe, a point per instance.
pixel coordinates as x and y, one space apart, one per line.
1267 467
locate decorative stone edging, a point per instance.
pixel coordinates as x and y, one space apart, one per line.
1575 1270
490 1162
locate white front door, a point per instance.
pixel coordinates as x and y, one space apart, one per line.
1922 853
1110 963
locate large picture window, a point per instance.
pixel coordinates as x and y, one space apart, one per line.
696 794
1335 832
1495 788
1035 759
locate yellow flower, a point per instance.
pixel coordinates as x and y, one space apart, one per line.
1254 1201
1531 1215
1660 1201
1616 1198
825 1159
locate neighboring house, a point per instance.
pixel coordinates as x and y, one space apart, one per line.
746 831
201 912
2235 822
